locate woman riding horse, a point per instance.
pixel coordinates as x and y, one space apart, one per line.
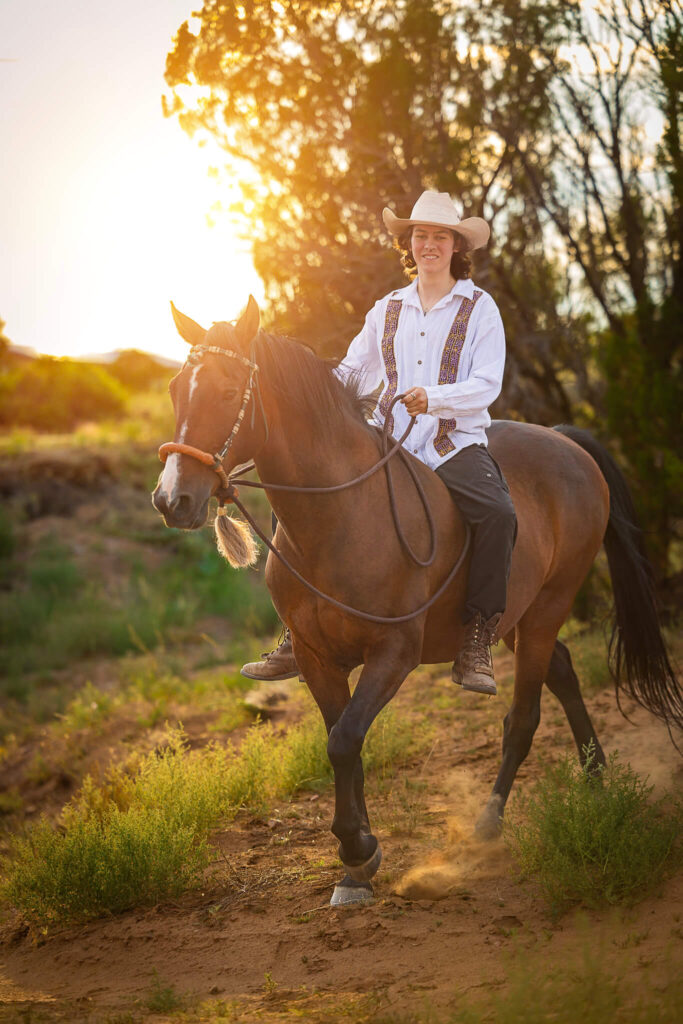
441 342
349 571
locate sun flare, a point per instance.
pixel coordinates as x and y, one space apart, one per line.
112 210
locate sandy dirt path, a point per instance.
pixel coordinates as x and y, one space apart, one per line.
450 916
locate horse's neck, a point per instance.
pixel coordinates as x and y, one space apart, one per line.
296 454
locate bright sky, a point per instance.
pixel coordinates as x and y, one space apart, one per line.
103 201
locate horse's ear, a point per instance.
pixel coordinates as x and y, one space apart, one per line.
248 324
188 330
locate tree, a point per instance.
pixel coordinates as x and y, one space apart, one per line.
529 111
614 197
327 112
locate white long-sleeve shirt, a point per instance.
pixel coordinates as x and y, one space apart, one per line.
462 376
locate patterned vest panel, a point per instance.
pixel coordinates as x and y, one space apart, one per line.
389 356
450 360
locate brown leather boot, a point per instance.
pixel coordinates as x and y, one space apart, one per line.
473 666
277 664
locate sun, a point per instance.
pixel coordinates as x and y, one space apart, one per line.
138 230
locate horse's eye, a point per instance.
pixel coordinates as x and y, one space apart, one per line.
230 392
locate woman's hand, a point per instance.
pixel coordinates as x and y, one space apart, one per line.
415 401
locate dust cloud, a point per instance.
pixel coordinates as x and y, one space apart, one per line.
464 859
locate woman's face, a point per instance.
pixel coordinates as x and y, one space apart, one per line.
432 248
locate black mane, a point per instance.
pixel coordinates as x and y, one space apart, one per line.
303 382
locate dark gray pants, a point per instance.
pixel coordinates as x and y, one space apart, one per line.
479 490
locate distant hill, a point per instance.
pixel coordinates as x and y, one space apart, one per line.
106 358
21 353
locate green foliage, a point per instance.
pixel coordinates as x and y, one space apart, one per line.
57 394
359 105
126 860
365 104
129 842
592 835
50 613
644 383
162 998
138 371
8 543
390 739
139 838
305 764
131 436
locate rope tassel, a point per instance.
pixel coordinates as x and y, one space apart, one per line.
234 540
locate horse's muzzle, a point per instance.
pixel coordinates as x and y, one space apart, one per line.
180 511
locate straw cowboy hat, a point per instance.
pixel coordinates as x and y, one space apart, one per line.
437 209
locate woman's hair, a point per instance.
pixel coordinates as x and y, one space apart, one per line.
461 266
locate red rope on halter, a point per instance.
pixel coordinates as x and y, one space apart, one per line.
171 448
212 461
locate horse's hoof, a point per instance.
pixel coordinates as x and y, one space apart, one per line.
349 892
364 872
490 824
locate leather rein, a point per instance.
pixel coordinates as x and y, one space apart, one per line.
228 494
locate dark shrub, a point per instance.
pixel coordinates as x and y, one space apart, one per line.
57 394
139 371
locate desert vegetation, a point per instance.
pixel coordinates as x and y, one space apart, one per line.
139 774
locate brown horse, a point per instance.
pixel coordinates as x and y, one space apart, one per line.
304 428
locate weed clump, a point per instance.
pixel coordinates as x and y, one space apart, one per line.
142 835
162 998
592 835
132 840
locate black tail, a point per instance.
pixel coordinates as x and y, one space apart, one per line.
637 655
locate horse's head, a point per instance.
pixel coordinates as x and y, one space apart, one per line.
207 397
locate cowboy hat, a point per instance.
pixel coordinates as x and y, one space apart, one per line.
437 209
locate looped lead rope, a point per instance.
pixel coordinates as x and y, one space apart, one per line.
387 455
388 620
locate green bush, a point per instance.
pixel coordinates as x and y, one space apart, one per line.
130 841
138 371
592 835
127 859
55 395
136 839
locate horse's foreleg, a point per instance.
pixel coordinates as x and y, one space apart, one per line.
563 683
381 677
329 686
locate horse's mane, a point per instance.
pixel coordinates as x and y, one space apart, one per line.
303 382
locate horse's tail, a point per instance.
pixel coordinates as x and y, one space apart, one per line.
638 659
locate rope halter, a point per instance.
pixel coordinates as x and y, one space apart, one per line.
215 461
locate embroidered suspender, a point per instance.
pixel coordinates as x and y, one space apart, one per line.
450 359
389 357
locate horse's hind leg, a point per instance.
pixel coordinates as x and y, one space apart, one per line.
521 722
563 683
534 645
